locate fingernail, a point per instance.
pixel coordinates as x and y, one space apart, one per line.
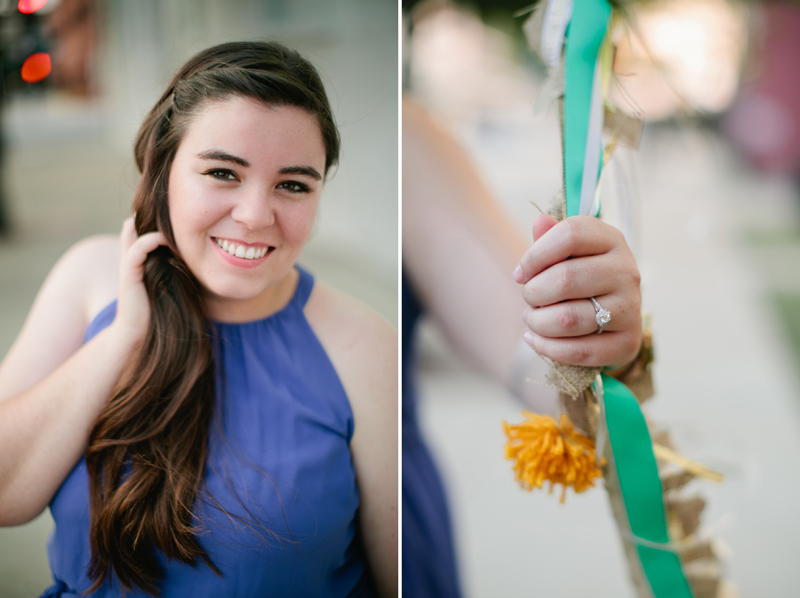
525 315
528 336
518 274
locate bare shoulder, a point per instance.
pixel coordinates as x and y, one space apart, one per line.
361 345
328 306
363 348
348 327
96 260
87 273
70 297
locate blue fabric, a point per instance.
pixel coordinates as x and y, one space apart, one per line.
429 565
282 462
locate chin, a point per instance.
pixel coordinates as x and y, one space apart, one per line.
236 292
243 287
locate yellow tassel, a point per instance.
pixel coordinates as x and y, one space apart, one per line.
543 451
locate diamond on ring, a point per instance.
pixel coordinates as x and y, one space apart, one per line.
601 316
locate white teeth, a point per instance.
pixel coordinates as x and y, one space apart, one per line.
251 253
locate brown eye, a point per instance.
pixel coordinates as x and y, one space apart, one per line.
294 187
222 174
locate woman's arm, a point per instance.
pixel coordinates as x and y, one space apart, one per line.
51 387
363 348
459 250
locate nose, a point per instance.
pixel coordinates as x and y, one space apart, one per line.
255 208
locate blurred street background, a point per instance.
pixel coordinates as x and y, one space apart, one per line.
715 226
69 121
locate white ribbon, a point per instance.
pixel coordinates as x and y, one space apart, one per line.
594 145
556 18
600 437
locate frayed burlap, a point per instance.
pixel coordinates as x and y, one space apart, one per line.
569 379
558 207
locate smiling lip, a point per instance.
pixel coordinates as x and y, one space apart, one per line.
242 262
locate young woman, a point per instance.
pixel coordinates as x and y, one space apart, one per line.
202 418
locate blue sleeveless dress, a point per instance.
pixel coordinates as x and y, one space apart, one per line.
429 564
281 466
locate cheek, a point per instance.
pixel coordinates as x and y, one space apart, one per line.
191 211
298 223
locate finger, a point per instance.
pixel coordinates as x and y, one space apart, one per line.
138 251
128 235
574 237
542 224
578 318
576 279
594 350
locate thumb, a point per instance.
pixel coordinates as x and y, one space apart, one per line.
542 224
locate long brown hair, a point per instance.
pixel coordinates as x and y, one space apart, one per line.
148 448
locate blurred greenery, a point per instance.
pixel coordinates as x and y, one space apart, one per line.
772 237
787 306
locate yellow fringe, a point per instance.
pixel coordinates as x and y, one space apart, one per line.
543 451
664 454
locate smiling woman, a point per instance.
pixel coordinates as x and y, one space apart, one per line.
230 191
202 417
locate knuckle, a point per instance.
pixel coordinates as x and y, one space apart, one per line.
537 321
566 277
636 276
570 228
526 294
529 318
525 264
527 258
632 343
576 353
568 318
637 305
617 235
529 294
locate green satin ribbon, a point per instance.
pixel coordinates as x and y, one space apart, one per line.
585 34
628 435
641 489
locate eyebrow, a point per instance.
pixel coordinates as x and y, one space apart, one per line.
219 155
306 170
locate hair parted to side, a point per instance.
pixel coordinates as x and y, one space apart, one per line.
149 445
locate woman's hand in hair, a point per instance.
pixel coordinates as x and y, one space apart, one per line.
133 305
569 262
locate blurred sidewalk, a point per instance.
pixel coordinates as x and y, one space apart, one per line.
725 373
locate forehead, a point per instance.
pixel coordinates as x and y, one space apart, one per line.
256 132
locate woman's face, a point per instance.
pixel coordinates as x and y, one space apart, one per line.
243 193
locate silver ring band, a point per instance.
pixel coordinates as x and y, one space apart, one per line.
601 316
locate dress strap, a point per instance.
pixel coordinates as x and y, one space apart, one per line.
60 590
305 285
